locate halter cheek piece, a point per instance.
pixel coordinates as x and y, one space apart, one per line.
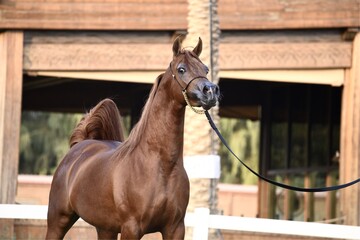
198 111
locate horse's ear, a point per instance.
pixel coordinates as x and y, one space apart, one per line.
197 50
177 45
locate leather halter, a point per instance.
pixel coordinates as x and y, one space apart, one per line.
198 111
187 85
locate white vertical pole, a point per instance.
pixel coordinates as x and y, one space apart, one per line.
201 228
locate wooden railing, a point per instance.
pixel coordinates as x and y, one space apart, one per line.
201 220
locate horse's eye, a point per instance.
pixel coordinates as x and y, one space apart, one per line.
181 70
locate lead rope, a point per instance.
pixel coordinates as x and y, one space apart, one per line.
299 189
213 126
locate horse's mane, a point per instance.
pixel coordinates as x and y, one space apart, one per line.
136 133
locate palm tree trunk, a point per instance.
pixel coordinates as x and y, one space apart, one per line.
199 139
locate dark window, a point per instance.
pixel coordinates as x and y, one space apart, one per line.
303 133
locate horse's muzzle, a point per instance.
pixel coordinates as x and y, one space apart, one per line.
211 94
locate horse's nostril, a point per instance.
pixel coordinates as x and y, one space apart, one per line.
206 89
217 89
211 90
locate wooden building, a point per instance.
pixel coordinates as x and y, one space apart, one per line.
295 65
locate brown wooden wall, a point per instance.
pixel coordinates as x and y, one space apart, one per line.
107 51
171 15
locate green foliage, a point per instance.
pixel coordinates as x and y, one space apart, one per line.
243 137
44 140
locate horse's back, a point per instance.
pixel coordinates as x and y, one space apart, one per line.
85 153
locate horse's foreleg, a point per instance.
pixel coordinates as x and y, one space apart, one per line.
130 231
58 224
102 234
174 232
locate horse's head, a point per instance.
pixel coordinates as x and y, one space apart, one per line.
189 75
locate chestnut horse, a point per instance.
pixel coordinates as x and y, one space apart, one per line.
138 186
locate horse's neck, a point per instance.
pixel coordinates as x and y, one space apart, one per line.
165 127
159 133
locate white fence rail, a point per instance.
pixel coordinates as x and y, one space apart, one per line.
201 221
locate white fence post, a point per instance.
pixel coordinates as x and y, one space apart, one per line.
201 226
202 166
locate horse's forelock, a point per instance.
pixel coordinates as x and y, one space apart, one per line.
189 57
192 60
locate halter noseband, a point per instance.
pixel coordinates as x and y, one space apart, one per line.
198 111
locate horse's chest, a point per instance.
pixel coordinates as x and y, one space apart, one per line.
175 198
151 198
171 198
167 209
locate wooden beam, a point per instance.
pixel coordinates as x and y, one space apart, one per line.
96 56
330 198
289 200
285 55
171 15
266 200
279 14
100 56
94 15
309 199
11 51
120 76
333 77
350 139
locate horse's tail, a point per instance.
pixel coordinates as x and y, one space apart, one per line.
103 122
